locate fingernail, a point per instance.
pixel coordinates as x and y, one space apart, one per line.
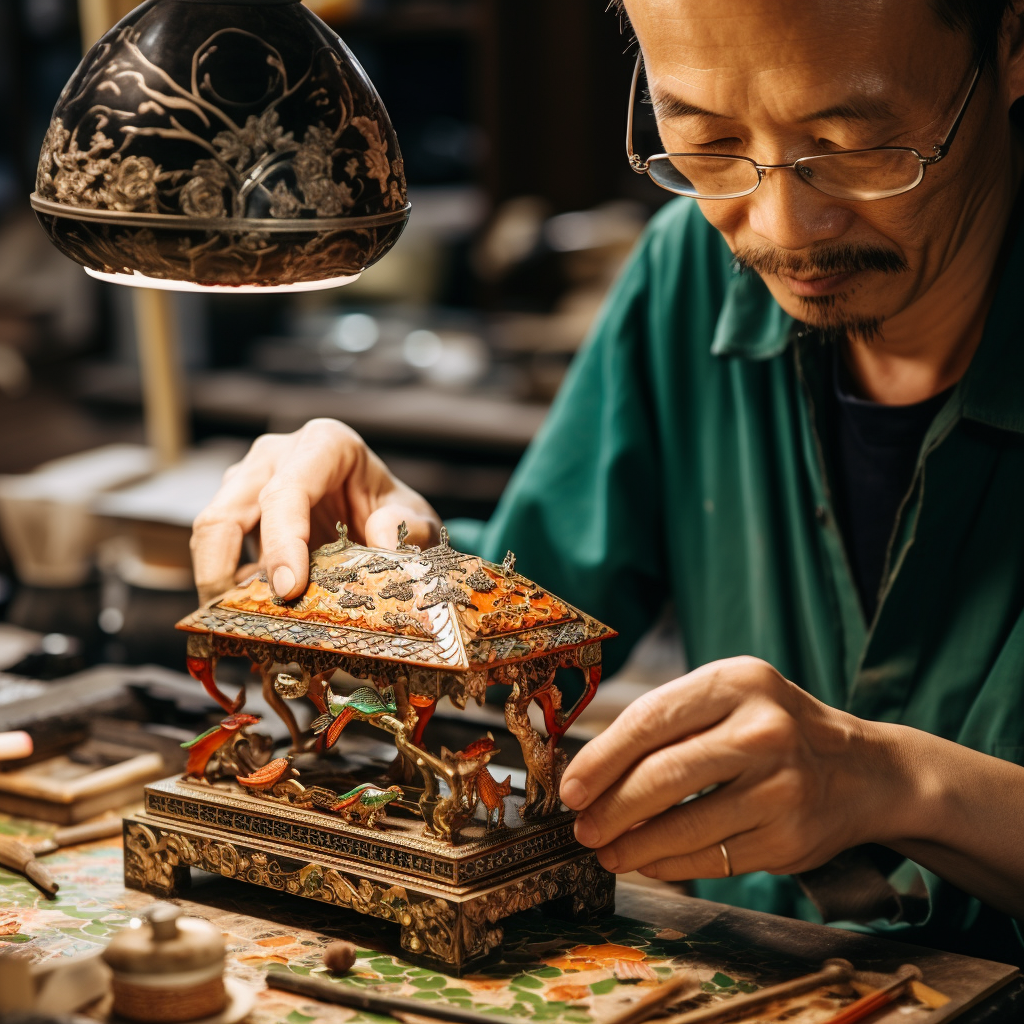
284 581
608 858
574 794
587 832
14 745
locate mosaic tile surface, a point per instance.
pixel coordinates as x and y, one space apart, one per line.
551 972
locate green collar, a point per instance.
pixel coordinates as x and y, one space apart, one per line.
752 325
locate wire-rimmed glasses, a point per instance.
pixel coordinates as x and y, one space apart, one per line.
857 174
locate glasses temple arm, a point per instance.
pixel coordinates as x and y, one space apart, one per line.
943 147
635 162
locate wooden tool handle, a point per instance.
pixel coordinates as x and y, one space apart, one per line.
672 991
832 972
387 1005
17 856
88 832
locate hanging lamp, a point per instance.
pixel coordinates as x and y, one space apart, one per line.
221 145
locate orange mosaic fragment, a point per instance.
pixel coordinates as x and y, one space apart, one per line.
566 993
278 940
608 951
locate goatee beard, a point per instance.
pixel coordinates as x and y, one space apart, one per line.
823 313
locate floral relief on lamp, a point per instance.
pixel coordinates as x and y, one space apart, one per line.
237 145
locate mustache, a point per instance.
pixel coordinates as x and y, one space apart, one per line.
823 260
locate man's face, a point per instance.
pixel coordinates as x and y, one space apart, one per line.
776 80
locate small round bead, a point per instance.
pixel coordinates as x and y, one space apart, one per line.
339 956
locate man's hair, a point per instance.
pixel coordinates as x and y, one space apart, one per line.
980 19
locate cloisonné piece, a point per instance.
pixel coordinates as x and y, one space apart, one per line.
378 638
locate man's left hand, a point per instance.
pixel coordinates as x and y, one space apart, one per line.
796 781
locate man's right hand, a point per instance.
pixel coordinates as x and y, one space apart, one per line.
292 489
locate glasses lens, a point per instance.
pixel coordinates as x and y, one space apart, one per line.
867 174
704 177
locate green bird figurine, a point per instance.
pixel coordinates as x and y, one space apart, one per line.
366 803
336 712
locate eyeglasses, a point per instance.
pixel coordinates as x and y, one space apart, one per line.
858 174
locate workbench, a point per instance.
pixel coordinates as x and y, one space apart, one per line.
552 972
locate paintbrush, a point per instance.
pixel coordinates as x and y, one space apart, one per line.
676 989
877 999
21 858
832 972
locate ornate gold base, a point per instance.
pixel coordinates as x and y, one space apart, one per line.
448 901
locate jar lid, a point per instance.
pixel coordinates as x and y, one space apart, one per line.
163 941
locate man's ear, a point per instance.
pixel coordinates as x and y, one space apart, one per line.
1011 50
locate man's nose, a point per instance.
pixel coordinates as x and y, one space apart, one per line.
789 214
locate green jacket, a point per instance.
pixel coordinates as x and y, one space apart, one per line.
682 461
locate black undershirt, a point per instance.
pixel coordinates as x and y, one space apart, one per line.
876 449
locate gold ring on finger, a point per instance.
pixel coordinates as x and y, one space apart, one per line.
728 862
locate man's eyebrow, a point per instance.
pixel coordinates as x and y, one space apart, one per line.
860 108
666 106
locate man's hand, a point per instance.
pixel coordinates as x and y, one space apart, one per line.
294 488
797 781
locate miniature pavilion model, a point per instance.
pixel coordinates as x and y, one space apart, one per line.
433 842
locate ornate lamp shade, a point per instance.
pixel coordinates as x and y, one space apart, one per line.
221 144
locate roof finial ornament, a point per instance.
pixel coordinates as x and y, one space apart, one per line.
335 546
403 532
508 566
444 537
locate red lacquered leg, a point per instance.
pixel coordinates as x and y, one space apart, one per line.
556 726
201 669
424 712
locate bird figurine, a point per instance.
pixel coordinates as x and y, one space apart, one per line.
364 703
206 744
366 803
265 778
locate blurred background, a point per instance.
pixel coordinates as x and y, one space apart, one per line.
445 355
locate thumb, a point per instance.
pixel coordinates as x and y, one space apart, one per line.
381 528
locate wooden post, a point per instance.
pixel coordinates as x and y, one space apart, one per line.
163 394
163 398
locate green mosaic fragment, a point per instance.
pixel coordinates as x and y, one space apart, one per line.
526 981
431 981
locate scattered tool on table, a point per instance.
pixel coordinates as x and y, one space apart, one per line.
879 998
833 972
675 990
393 1006
87 832
15 855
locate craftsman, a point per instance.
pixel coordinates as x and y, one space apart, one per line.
800 418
